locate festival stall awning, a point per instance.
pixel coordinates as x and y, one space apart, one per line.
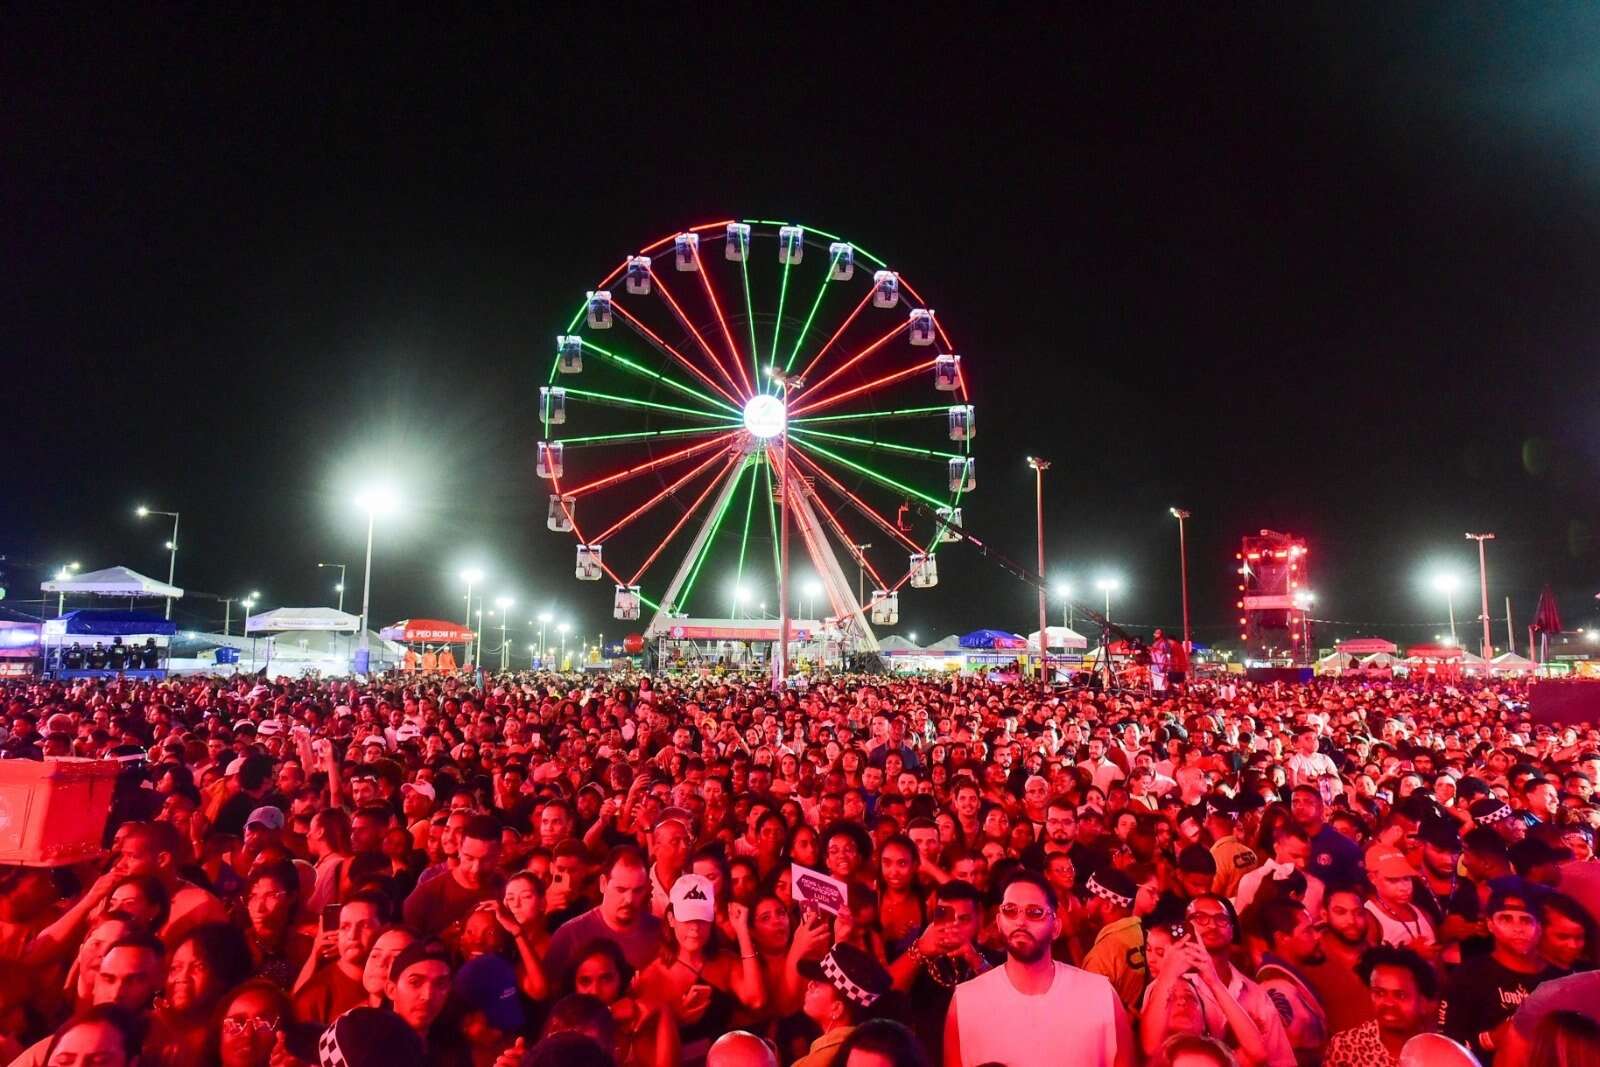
1423 652
113 581
1511 663
947 643
279 620
896 643
112 623
427 631
1336 661
735 629
992 639
1366 646
1058 637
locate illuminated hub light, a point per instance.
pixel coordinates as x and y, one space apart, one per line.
764 416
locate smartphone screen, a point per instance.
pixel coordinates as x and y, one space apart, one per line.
330 917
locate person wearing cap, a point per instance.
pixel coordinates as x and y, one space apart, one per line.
1400 922
370 1037
1449 900
419 984
1118 949
1484 992
417 802
488 1014
841 990
1233 857
696 978
248 782
1291 853
1497 815
1028 1011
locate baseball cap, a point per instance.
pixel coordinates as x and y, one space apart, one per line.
1440 833
1489 810
420 788
374 739
266 815
858 977
488 984
408 732
369 1037
1394 865
270 728
693 898
1511 893
683 816
415 953
235 767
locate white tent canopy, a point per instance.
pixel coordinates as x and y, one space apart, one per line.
112 582
896 643
282 619
1510 661
947 643
1379 660
1058 637
1336 661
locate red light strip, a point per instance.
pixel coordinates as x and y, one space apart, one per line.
688 364
712 484
733 349
861 505
937 325
879 383
684 320
641 468
844 538
829 342
669 238
653 501
555 483
858 357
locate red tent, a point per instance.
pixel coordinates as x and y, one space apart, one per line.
427 631
1434 652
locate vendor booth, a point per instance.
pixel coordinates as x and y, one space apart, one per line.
121 583
322 629
99 643
435 636
20 646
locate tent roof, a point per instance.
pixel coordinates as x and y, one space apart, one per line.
990 639
947 643
1058 637
1361 646
112 581
283 619
896 643
114 623
432 631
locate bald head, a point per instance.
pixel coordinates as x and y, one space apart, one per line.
741 1048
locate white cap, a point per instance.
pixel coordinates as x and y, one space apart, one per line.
235 767
420 788
693 898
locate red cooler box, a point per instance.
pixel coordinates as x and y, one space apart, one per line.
54 813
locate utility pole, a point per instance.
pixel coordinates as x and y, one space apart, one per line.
1511 634
861 575
1483 593
1039 467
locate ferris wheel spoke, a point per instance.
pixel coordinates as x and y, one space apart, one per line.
622 523
654 464
880 446
672 353
861 416
687 324
641 369
822 290
744 538
867 510
682 599
731 465
612 400
772 519
881 479
872 386
593 440
815 390
749 312
727 334
816 359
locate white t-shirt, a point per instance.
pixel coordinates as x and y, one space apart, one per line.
997 1024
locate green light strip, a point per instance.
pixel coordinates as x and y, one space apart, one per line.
815 304
863 442
875 476
662 378
783 294
637 435
744 540
772 518
896 413
819 233
705 549
750 317
631 402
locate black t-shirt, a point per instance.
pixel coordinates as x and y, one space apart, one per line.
1481 995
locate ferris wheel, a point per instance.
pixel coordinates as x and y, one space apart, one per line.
697 385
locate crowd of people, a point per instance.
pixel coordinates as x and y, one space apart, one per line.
654 871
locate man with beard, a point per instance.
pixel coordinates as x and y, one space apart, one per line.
1292 943
1033 1008
1346 936
1215 925
1485 991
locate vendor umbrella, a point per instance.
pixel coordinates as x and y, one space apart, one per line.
431 631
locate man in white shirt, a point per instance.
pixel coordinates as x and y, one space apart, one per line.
1291 851
1308 766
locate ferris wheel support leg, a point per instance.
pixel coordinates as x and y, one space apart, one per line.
661 621
841 598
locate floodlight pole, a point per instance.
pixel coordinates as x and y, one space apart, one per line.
1483 593
1183 575
1039 467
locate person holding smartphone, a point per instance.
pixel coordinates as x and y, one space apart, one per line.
943 955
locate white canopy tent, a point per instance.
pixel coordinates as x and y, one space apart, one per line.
1058 637
112 582
1379 661
1511 663
896 643
1335 662
947 643
280 620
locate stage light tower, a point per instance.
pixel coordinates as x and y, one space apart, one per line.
1483 593
1039 467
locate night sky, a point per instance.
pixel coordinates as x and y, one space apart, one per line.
1332 271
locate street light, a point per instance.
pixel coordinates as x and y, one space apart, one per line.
340 587
1039 467
1303 599
61 598
564 629
811 590
245 604
1108 585
1063 590
472 576
1183 574
1447 583
544 620
172 546
1483 592
504 602
375 500
741 596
